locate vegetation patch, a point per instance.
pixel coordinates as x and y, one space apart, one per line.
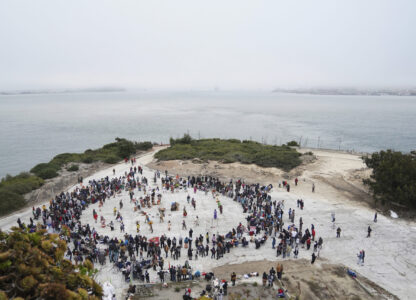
232 150
109 153
73 168
293 144
12 189
393 180
32 267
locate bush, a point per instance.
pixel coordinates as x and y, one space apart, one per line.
47 173
72 168
87 160
143 146
10 201
125 148
187 139
46 170
12 189
112 159
293 144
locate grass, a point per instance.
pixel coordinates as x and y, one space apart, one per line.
232 150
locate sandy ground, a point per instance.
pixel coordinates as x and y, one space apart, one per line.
335 174
322 281
390 251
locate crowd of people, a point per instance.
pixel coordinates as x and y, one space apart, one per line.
135 255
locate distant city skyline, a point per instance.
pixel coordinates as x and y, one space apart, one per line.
185 44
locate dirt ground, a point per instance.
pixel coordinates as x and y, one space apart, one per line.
334 173
300 280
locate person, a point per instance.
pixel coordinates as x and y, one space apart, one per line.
187 295
360 258
369 231
296 181
338 232
313 187
215 214
220 295
132 289
233 278
375 217
264 278
296 252
313 258
225 286
279 270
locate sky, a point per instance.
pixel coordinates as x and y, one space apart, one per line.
193 44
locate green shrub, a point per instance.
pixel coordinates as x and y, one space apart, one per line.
12 189
112 159
186 139
143 146
47 173
293 144
87 160
72 168
10 201
46 170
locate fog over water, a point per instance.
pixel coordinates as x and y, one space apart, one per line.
188 44
34 128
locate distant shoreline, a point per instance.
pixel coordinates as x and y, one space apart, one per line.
64 91
350 92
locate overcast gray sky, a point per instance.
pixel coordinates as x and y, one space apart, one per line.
201 44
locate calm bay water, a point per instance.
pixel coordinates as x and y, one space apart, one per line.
34 128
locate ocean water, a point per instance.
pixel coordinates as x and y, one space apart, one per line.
34 128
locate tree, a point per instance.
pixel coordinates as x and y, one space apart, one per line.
393 178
